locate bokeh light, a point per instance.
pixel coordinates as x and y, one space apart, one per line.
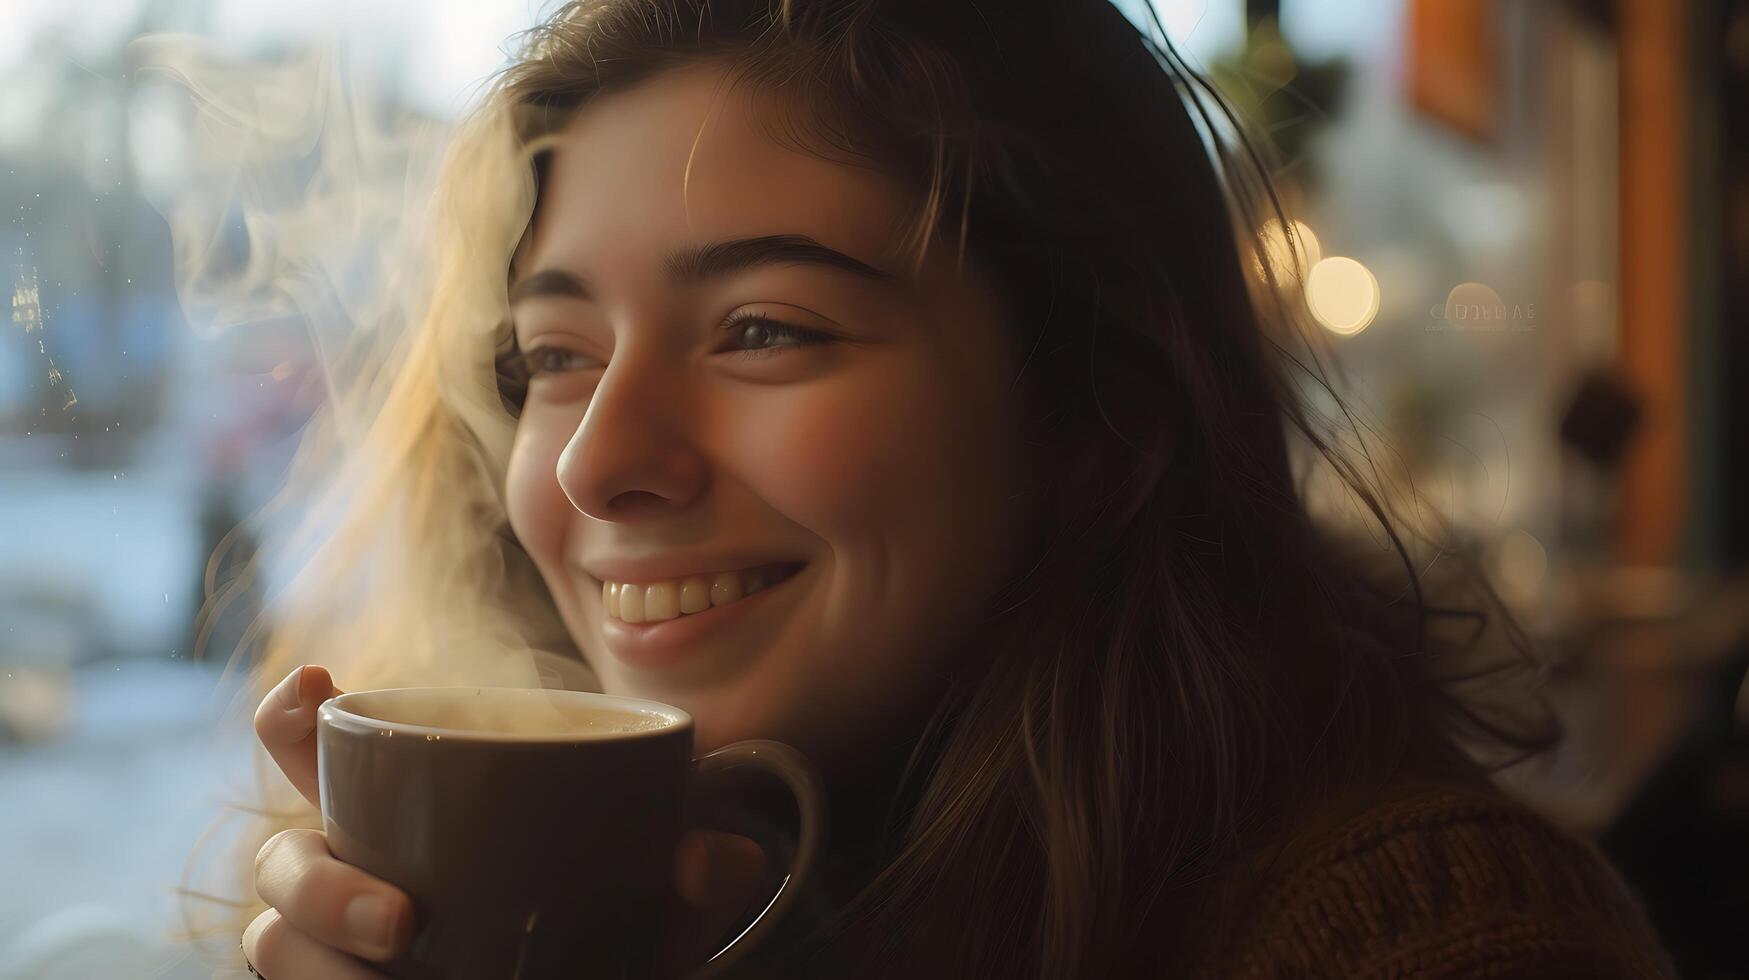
1343 295
1473 302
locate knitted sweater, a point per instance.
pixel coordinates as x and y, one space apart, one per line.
1425 880
1436 881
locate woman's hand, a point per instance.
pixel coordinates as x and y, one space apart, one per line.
329 919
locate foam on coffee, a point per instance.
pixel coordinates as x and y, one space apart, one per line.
534 713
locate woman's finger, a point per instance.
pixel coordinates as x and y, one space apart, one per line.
280 951
717 876
329 900
718 873
285 722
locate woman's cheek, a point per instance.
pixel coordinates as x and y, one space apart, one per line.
835 456
537 506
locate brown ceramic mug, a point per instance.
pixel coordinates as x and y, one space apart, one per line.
535 829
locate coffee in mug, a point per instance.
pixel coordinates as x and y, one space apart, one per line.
535 829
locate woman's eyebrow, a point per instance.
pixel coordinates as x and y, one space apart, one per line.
695 263
549 282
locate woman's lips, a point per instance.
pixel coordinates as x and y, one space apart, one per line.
654 645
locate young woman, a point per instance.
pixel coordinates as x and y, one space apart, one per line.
922 327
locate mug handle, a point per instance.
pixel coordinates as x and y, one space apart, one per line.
804 783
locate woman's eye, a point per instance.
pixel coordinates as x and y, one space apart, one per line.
760 336
750 336
552 360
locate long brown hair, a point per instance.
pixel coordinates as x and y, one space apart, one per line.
1190 664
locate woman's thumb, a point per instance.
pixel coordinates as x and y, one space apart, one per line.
285 721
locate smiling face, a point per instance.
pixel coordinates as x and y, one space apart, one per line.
732 369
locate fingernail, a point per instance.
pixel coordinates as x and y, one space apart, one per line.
370 919
297 688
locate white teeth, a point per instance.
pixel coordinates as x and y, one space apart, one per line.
654 602
725 588
631 603
661 601
695 595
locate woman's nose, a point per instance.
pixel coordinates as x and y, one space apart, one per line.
632 454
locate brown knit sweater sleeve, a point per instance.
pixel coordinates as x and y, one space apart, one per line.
1446 882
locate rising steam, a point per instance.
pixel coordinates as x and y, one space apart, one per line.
371 245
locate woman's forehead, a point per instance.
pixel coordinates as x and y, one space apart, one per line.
683 157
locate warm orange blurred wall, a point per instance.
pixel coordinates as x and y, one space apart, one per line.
1655 99
1453 63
